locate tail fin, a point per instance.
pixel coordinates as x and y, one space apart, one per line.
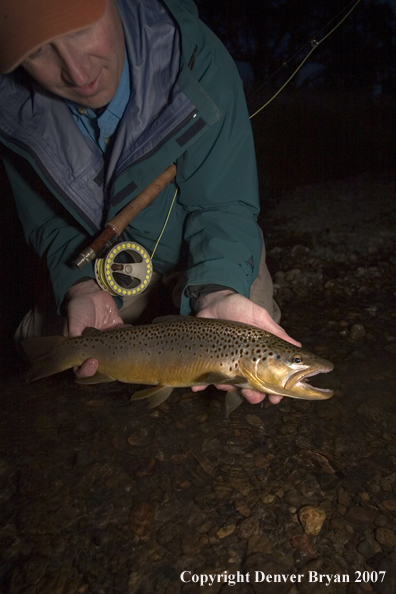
41 353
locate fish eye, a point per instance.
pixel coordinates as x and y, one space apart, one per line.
297 359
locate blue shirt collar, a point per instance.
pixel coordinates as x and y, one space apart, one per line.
100 128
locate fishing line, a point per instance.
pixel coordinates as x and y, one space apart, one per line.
166 222
314 45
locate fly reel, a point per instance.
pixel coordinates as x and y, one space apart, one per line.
126 270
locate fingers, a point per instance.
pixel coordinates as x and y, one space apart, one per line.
251 396
87 369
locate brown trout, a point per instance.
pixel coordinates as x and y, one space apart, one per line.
183 351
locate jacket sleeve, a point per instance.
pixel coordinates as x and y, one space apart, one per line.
53 235
219 187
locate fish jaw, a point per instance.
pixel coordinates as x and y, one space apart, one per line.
282 379
296 381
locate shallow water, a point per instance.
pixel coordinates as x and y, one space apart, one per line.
100 494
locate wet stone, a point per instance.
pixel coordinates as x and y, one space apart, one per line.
381 521
389 504
388 586
243 508
293 498
360 515
168 533
312 519
249 527
368 548
304 544
142 518
386 537
260 544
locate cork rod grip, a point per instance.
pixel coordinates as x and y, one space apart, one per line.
131 210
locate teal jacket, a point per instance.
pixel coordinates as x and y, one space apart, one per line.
190 110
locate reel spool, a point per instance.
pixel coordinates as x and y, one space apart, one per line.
126 270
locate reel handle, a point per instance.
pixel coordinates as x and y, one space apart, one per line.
117 225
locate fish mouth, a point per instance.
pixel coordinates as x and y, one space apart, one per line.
298 384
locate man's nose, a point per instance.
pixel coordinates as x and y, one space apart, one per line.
75 66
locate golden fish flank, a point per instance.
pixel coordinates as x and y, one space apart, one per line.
184 351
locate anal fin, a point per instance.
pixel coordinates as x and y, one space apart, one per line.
233 399
155 395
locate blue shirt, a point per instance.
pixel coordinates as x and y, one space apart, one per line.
101 128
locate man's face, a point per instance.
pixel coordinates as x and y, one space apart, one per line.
84 66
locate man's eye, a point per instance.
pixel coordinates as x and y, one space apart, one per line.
36 53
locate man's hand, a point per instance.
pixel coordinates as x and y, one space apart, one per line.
89 306
226 305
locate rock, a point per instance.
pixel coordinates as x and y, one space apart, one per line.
243 508
142 518
225 531
169 533
303 543
192 542
389 504
343 497
386 537
381 521
312 519
357 332
260 544
368 548
388 586
249 527
293 498
360 515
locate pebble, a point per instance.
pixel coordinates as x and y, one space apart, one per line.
357 332
389 504
381 521
243 508
386 537
368 548
312 519
225 531
142 518
260 544
360 515
249 527
343 497
388 586
303 543
293 498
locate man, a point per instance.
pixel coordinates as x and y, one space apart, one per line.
97 99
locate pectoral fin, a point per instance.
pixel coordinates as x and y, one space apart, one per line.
216 378
233 399
98 378
156 395
89 331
